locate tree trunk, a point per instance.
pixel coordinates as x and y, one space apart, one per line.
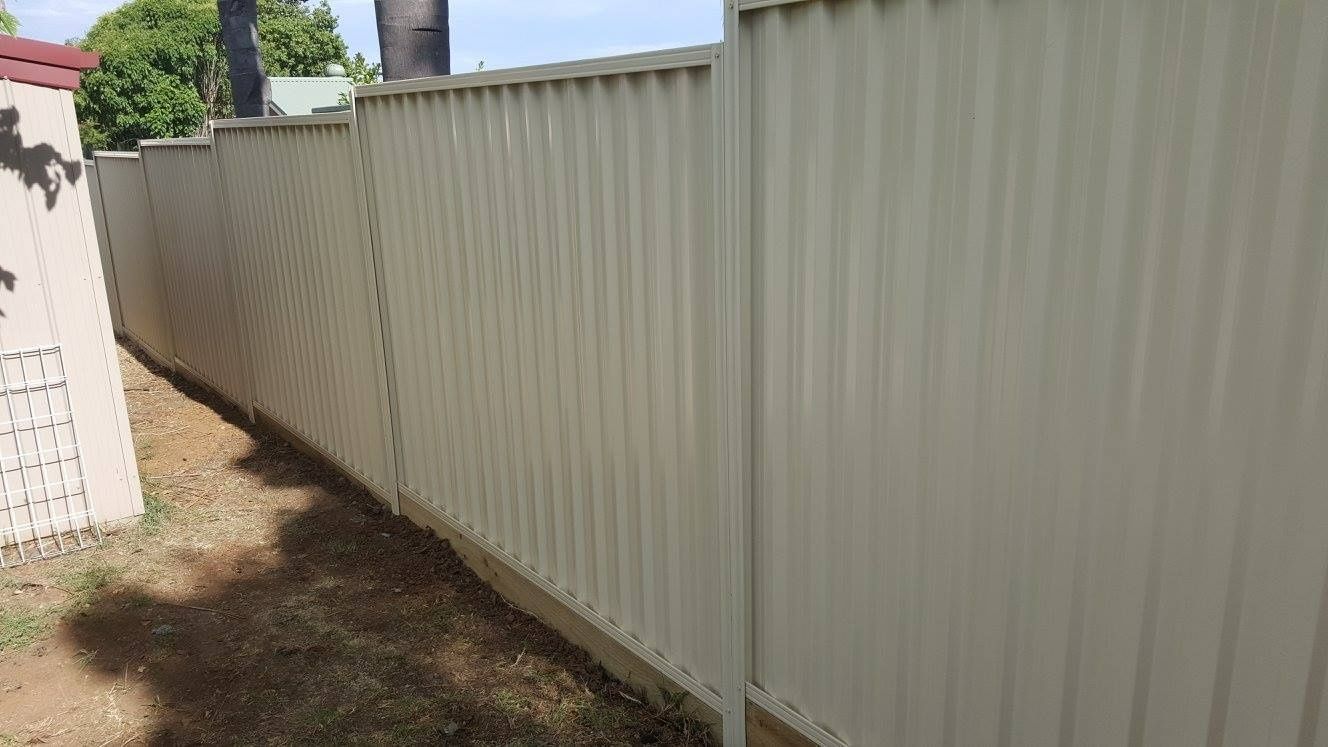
413 38
239 33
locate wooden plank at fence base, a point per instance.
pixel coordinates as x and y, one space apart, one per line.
183 370
766 729
763 727
613 656
151 352
303 445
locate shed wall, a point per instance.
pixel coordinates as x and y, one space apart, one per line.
52 290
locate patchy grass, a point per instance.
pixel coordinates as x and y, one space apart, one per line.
341 547
156 512
82 583
510 702
20 628
320 719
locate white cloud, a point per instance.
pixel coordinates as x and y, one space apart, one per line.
83 11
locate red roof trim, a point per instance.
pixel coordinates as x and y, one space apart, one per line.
42 63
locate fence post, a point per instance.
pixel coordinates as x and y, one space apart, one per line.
369 235
168 311
734 309
243 327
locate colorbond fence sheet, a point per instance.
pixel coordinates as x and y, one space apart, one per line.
103 243
306 286
192 234
1041 329
139 281
548 258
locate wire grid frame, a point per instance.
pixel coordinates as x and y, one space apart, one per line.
47 510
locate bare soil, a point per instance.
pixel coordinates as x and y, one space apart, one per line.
265 599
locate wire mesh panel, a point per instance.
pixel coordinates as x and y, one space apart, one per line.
47 510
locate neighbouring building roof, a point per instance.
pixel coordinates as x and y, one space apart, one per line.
303 95
43 63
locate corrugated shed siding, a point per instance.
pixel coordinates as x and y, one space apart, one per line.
133 240
48 250
307 290
192 233
103 243
1041 329
548 253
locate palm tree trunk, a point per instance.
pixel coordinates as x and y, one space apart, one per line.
239 32
413 38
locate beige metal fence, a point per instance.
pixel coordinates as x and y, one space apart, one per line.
103 244
988 342
1040 321
139 280
548 245
307 289
196 255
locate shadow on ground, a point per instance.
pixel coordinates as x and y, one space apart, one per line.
325 619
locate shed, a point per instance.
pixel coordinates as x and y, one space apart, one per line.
66 455
305 95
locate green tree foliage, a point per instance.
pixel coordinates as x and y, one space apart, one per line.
361 72
163 70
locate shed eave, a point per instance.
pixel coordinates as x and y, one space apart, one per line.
44 64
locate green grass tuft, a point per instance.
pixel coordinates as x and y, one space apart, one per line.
156 512
510 702
85 581
19 628
320 719
341 548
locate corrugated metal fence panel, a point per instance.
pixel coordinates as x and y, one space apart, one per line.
307 287
1041 330
47 251
133 245
103 243
192 233
548 254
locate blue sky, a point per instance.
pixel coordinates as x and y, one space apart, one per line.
503 33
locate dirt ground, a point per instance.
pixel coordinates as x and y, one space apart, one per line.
265 599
